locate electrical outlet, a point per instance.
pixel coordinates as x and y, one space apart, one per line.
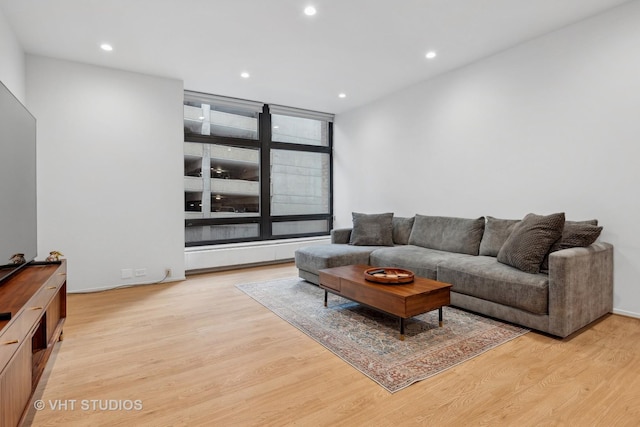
167 272
126 273
141 272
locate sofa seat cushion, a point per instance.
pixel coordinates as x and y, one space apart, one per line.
486 278
314 258
422 261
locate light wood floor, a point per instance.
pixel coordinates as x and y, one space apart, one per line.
201 352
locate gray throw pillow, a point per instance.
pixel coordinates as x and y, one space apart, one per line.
372 229
444 233
402 230
530 241
575 234
496 232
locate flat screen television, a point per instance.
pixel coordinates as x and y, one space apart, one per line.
18 218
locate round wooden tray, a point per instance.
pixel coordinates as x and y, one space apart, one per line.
388 275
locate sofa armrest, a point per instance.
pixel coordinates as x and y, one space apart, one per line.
341 235
580 287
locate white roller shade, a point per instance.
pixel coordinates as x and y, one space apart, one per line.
298 112
223 101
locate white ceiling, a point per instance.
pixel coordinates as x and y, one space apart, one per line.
365 49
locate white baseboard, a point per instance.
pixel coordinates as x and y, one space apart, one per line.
238 254
626 313
125 285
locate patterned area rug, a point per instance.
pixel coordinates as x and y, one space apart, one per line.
368 339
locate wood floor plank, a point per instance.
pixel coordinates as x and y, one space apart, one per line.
201 352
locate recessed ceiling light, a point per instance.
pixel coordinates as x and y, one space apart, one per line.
276 127
244 75
431 54
106 46
342 95
309 10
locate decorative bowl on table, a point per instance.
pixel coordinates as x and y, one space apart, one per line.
388 275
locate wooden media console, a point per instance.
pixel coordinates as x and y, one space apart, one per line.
36 297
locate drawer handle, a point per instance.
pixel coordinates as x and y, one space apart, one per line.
62 274
10 342
35 308
52 287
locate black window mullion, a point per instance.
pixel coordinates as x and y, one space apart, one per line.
265 173
330 175
300 147
222 140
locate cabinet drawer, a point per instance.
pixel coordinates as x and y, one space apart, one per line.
40 300
56 280
44 296
12 338
16 386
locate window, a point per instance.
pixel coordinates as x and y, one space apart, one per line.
299 182
300 130
202 116
254 171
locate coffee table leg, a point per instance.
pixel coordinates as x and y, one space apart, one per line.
401 329
325 297
440 316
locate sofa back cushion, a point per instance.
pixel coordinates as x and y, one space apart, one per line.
460 235
496 232
530 241
372 229
575 234
402 230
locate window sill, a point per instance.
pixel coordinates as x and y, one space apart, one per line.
202 258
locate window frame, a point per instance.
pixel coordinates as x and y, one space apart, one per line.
265 145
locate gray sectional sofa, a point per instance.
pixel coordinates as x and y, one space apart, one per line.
494 265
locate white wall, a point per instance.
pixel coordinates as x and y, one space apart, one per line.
551 125
12 64
109 171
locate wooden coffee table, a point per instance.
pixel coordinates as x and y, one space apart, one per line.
404 301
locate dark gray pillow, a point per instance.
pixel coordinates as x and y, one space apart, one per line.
402 230
575 234
372 229
530 241
496 232
460 235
